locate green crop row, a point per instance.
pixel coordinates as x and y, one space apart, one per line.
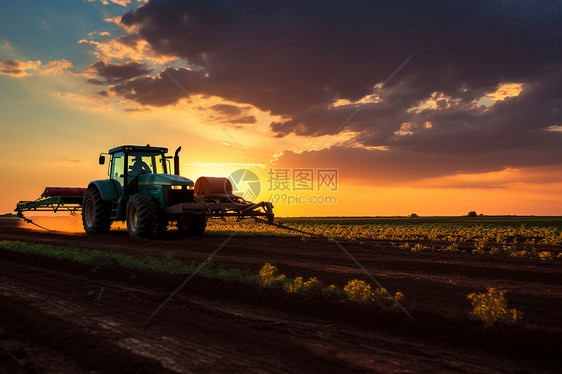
540 242
166 264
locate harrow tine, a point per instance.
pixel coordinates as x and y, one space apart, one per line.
290 228
31 222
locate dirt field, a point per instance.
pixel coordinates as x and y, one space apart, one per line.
57 316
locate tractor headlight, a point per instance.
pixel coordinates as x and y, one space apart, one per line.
181 187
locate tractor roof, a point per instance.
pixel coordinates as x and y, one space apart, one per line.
137 148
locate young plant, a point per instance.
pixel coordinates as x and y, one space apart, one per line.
546 255
490 308
383 298
358 291
333 291
298 285
270 277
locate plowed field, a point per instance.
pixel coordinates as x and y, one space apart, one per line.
59 316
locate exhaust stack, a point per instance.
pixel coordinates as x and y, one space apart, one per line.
177 161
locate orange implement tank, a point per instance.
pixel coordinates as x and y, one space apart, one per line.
213 185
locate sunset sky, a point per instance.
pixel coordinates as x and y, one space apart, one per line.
427 107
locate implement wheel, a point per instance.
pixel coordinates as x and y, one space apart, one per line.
162 224
192 225
142 216
95 212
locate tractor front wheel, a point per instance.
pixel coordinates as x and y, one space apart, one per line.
95 212
142 216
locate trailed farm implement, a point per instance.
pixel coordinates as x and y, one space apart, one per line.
54 199
142 191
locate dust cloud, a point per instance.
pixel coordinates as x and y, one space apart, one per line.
59 222
69 223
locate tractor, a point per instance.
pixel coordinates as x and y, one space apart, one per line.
142 191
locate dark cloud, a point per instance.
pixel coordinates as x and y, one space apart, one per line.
229 110
399 167
297 58
234 114
130 40
460 139
115 73
17 68
159 90
10 67
96 81
288 56
243 120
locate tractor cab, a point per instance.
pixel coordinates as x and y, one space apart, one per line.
137 169
135 160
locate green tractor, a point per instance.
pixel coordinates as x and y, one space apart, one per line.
142 191
140 185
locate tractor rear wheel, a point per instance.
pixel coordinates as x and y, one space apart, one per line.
95 212
142 215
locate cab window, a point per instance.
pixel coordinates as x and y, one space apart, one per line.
145 163
117 166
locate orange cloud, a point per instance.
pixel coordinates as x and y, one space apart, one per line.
436 101
504 91
56 67
18 69
15 68
126 47
100 33
107 2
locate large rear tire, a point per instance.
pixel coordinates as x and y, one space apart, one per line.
142 216
95 212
